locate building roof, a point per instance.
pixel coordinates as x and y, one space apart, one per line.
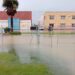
23 15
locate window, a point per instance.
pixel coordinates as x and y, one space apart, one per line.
50 28
73 17
51 24
63 17
73 25
62 25
51 17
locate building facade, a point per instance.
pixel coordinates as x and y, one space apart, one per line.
3 19
22 20
59 20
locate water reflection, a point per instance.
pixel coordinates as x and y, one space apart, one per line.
57 51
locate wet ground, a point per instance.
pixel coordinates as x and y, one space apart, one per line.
57 51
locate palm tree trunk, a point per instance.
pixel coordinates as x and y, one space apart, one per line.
11 23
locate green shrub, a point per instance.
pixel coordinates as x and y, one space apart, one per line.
6 30
15 33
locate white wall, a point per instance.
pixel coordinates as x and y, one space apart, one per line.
3 23
25 25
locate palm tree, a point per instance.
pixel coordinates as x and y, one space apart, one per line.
10 7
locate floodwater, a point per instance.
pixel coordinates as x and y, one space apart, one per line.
57 51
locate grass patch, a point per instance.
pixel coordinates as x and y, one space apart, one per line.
44 32
62 33
7 58
51 33
24 69
35 59
9 65
15 33
12 51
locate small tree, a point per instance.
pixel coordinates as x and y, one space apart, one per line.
10 7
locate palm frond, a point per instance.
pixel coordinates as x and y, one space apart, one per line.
10 3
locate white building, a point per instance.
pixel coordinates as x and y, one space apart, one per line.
24 23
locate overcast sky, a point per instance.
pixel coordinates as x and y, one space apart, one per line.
37 6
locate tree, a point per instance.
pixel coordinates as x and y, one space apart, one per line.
11 7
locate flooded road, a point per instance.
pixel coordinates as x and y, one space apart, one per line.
57 51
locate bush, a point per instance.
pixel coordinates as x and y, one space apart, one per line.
6 30
15 33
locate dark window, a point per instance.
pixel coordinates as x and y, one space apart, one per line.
73 17
50 28
63 17
73 25
51 17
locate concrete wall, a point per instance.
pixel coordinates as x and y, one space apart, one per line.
3 23
57 19
25 25
22 25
